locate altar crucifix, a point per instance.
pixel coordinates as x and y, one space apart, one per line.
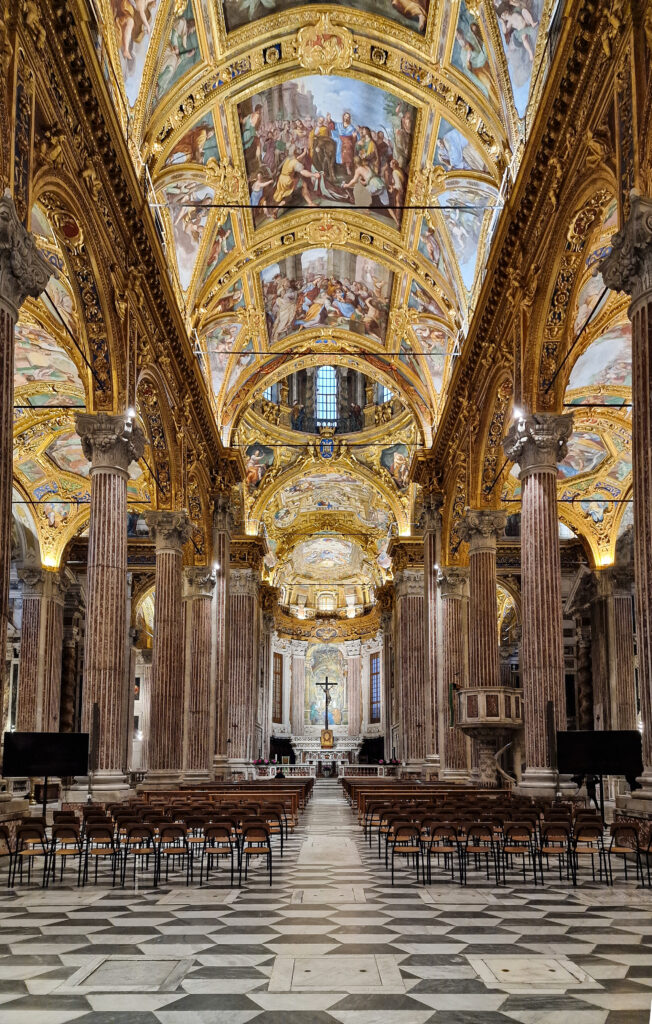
326 686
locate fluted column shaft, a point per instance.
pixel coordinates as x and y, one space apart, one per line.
171 530
68 680
221 629
415 708
431 557
452 583
267 681
198 757
298 689
538 443
111 443
243 665
23 271
41 651
354 687
612 650
481 530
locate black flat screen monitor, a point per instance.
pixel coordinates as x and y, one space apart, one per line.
603 752
45 753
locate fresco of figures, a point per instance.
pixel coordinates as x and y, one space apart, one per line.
590 301
331 492
258 459
38 357
607 361
410 13
464 215
586 450
454 152
66 453
423 303
325 660
396 460
197 146
133 21
181 51
326 141
222 244
470 54
220 345
323 288
188 205
519 27
432 344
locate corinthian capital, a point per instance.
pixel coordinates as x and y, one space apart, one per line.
199 581
538 442
109 442
628 267
170 529
451 580
481 528
23 269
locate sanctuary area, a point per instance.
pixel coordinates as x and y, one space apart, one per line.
326 511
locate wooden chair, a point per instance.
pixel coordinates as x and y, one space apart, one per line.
139 845
555 842
441 842
100 843
255 843
173 846
31 843
7 850
406 843
625 842
478 845
65 842
519 840
588 841
220 840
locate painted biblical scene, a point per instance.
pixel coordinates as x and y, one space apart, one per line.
233 299
133 21
326 558
470 53
323 288
396 460
590 301
323 140
258 459
410 13
181 51
519 27
221 246
325 660
59 303
606 362
409 359
197 146
31 470
432 343
66 453
189 203
38 357
40 224
422 302
586 451
331 492
464 211
454 152
220 345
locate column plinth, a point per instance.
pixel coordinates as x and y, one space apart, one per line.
170 530
199 587
23 271
452 582
111 444
538 443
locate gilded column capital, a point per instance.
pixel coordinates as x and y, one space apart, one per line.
199 581
109 442
481 528
628 267
23 269
538 442
171 530
452 580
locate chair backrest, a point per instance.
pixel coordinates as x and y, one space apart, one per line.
65 832
98 833
624 835
255 833
480 832
63 816
218 833
30 834
141 833
556 831
588 834
172 834
444 832
518 831
406 832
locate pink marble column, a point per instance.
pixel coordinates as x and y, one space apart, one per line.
222 526
298 688
41 650
111 443
481 529
431 558
628 268
267 633
415 708
242 704
354 686
170 530
612 649
145 669
23 271
198 760
452 582
537 443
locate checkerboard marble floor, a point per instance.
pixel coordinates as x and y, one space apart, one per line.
331 941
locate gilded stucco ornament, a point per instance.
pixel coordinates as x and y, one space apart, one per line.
324 47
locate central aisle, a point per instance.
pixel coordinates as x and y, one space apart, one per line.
330 941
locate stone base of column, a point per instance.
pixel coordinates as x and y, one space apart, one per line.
220 767
540 782
106 787
163 778
410 769
241 765
459 775
196 777
640 801
433 765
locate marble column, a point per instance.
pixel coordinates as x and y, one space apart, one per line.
538 443
242 705
170 530
612 650
23 271
354 686
452 581
431 558
481 529
628 268
111 444
297 692
145 702
415 707
387 629
222 527
68 679
41 650
199 584
267 634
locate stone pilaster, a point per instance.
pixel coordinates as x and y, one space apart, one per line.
432 614
481 529
386 626
41 650
242 705
612 650
267 634
537 443
198 760
415 708
145 701
68 679
354 686
23 271
111 444
452 583
297 691
170 530
222 527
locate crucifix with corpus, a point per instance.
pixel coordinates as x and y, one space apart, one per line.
326 687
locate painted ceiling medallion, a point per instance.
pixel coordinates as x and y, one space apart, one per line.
324 47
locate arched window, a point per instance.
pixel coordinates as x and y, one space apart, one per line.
326 396
326 602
